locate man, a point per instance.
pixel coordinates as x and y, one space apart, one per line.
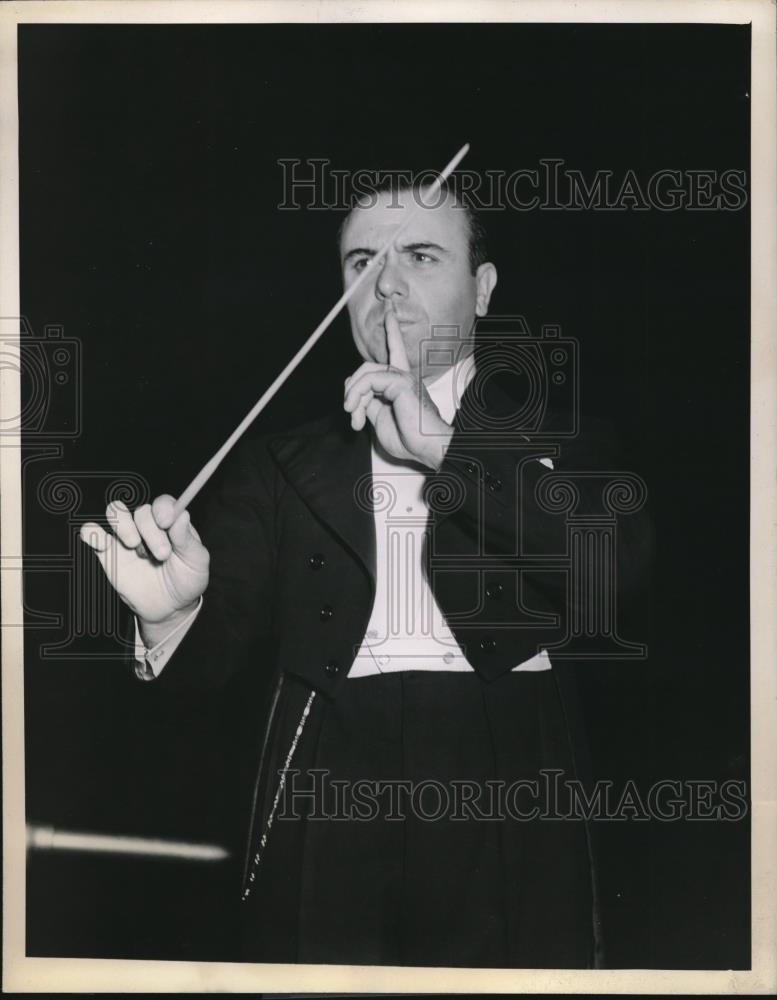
368 571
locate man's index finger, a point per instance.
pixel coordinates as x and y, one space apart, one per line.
396 346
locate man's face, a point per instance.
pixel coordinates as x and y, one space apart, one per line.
425 278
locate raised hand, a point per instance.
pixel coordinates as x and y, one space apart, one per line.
397 404
157 565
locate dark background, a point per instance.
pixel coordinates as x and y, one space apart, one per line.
150 233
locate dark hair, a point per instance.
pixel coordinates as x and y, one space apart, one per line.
476 232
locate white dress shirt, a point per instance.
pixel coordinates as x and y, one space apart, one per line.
407 630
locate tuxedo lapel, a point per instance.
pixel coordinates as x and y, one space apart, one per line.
332 473
330 468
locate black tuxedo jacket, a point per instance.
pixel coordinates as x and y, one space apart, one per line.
292 540
291 534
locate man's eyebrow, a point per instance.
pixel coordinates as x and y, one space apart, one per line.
359 252
411 247
423 245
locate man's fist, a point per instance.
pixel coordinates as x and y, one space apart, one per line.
158 566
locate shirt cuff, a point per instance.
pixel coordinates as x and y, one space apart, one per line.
151 662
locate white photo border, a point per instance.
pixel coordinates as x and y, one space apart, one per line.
22 974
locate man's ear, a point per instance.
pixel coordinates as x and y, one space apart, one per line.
485 277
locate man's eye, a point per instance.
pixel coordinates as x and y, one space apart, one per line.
422 258
360 263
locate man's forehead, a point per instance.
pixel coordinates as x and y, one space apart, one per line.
435 219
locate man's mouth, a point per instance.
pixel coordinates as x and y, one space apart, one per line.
402 320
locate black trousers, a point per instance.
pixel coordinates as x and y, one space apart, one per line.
411 828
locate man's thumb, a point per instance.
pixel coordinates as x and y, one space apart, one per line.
181 533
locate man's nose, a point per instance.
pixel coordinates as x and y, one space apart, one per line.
390 282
